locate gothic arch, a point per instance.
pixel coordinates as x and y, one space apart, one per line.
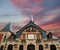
10 47
30 47
21 47
40 47
52 47
2 47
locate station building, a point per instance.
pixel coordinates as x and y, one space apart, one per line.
29 37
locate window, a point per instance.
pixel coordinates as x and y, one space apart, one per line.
52 47
38 36
21 47
1 47
40 47
31 47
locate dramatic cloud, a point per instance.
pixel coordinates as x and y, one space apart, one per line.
46 13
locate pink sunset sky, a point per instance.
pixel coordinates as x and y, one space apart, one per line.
46 14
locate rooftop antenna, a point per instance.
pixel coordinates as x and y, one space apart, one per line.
31 18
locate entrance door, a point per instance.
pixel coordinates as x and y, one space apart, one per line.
31 47
52 47
10 47
40 47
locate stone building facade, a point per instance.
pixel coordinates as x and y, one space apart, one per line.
29 37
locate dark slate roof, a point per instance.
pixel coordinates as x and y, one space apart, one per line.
6 28
31 23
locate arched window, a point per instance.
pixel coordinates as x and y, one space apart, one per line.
52 47
30 47
21 47
40 47
10 47
1 47
49 36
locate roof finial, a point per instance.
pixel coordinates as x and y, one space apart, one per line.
31 17
10 26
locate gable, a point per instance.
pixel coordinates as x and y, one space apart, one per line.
33 27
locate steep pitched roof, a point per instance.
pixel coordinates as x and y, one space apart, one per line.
7 27
31 23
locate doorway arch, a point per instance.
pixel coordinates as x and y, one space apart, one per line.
52 47
30 47
10 47
40 47
21 47
1 47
